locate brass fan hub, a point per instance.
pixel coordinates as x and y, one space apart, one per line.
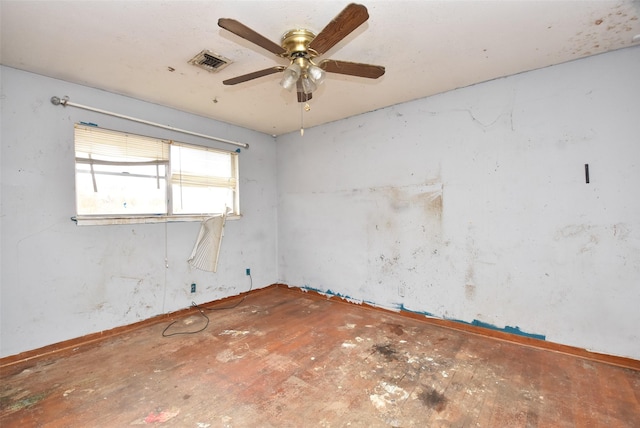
297 41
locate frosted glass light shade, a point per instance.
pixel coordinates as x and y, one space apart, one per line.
308 85
290 76
316 74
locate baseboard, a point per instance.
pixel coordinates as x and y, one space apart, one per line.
71 345
624 362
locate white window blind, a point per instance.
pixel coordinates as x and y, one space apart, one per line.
130 177
202 167
99 143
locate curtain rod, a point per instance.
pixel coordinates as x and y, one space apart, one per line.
65 102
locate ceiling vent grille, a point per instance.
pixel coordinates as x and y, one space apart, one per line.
210 61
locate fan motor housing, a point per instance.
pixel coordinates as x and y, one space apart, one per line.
297 41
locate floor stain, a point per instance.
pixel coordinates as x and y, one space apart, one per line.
396 329
433 399
161 416
11 406
386 351
298 373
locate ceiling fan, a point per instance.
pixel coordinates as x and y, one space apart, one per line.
301 47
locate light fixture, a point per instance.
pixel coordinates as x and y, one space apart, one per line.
315 73
302 72
308 85
309 74
290 76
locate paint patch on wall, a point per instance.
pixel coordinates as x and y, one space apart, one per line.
427 196
507 329
403 232
470 291
402 308
330 293
478 323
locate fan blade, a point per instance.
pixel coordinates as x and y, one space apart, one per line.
302 97
352 68
348 20
254 75
247 33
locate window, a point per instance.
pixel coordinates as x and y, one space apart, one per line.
134 178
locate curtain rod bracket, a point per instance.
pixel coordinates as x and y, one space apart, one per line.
64 101
56 101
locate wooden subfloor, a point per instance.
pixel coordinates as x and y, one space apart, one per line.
284 358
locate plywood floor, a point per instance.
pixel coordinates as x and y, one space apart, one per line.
283 358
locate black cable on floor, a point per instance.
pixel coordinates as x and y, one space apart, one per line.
193 305
200 309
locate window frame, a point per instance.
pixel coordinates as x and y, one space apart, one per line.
168 215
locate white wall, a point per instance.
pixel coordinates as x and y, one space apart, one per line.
61 281
472 205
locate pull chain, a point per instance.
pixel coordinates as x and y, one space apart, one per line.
304 108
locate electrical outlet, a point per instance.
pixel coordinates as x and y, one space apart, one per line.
248 272
193 288
401 290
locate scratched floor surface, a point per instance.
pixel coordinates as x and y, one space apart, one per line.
288 359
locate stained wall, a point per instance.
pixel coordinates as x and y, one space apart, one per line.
60 280
470 205
473 205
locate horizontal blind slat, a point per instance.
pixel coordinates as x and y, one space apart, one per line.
100 142
203 181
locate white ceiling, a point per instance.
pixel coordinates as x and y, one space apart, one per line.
142 48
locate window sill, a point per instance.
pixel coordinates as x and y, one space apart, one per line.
150 219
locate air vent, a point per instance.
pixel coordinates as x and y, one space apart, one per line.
210 61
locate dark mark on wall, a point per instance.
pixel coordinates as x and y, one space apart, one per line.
586 173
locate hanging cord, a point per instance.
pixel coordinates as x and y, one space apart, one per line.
201 310
166 263
301 120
